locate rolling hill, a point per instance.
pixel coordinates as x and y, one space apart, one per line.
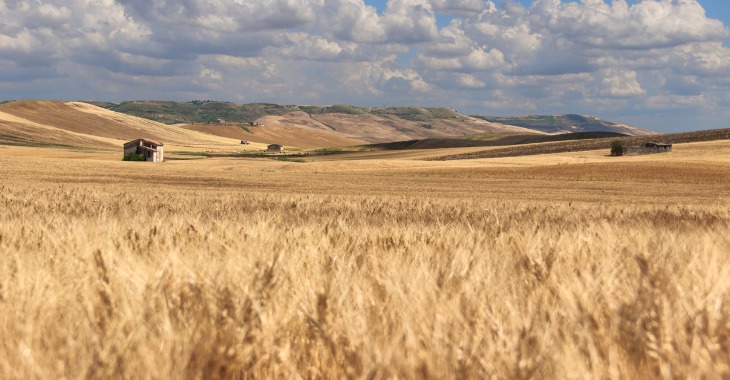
104 126
351 124
371 124
85 126
567 124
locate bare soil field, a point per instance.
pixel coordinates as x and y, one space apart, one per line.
592 144
366 265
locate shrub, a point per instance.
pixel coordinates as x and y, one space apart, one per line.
617 148
134 157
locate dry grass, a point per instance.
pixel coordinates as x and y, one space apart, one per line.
227 268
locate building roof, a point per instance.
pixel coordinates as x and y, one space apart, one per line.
138 141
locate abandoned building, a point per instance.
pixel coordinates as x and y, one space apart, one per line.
648 148
657 147
275 148
152 151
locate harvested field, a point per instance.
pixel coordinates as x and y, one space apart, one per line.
592 144
492 139
559 266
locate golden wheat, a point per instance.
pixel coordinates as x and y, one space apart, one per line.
111 270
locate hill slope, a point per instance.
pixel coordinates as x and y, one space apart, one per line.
493 141
567 124
589 144
82 125
296 136
372 124
359 124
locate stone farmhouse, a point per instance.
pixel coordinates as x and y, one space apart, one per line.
152 151
648 148
275 148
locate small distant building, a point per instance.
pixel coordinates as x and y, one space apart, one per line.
649 147
253 123
152 151
275 148
657 147
220 121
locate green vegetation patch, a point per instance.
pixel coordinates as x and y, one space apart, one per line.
134 157
337 108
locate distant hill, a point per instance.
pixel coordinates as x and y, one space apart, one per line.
368 124
85 126
103 125
566 124
352 124
198 111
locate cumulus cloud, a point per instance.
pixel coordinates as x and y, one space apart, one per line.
316 48
351 20
461 7
551 56
648 24
469 81
410 21
619 83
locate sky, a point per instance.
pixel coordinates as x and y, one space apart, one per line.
657 64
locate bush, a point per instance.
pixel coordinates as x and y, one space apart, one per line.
134 157
617 148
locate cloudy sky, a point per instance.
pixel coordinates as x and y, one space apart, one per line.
658 64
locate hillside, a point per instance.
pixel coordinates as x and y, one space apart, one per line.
490 141
590 144
371 124
295 136
351 124
87 126
567 124
82 125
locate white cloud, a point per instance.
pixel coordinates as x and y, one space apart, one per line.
317 48
554 56
648 24
469 81
461 7
619 83
673 102
351 20
410 21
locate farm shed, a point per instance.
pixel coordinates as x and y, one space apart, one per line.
275 148
152 151
649 148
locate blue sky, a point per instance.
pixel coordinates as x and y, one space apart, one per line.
657 64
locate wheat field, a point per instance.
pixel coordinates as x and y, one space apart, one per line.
555 267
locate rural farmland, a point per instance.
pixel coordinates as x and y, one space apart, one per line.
362 264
